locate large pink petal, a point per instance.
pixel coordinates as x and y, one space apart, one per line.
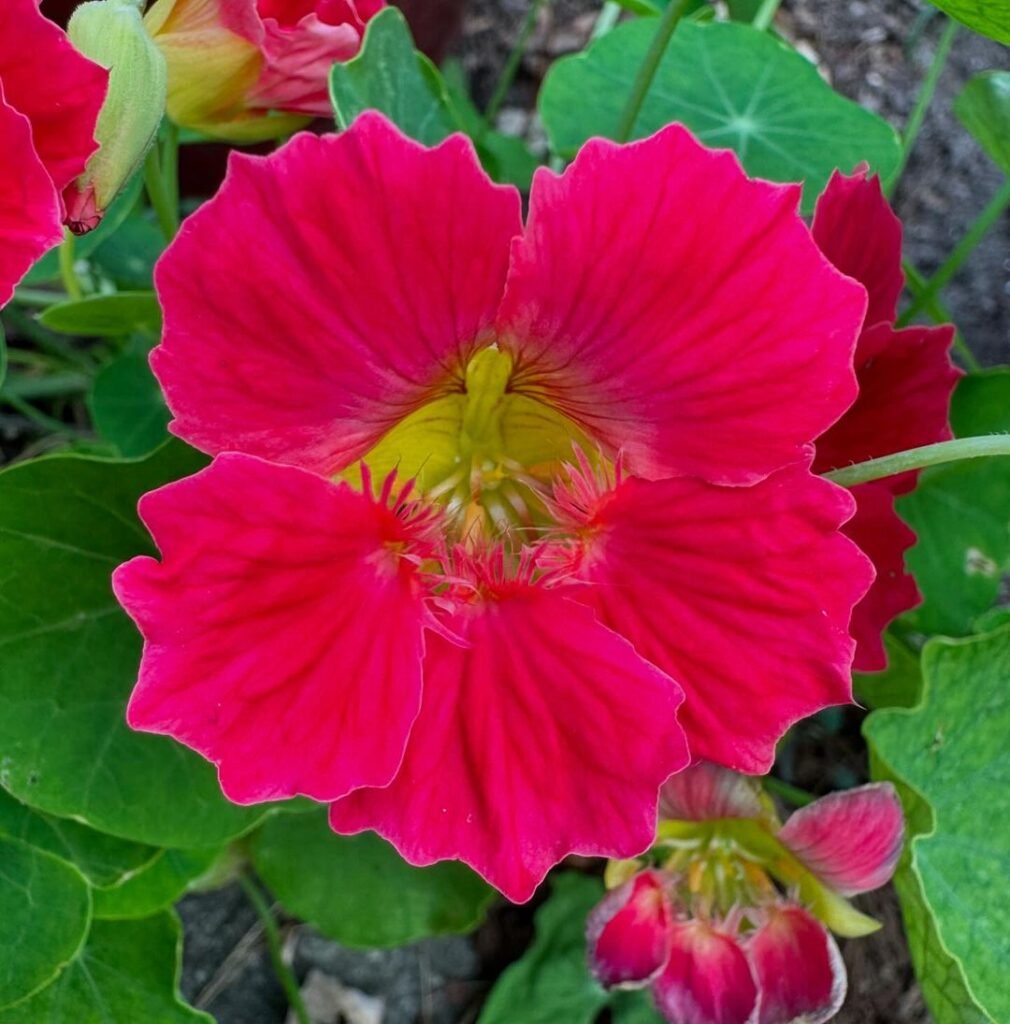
328 291
628 933
706 791
858 231
680 311
546 735
851 840
282 632
29 207
742 594
707 979
57 89
906 380
884 539
800 973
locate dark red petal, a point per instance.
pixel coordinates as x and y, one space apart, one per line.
283 635
680 311
328 291
884 539
628 933
858 231
800 973
707 979
546 735
850 840
906 380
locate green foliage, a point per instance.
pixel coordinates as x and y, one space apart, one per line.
551 983
37 945
984 109
733 86
127 404
899 685
389 75
990 17
960 513
156 886
951 752
70 658
105 316
127 973
357 889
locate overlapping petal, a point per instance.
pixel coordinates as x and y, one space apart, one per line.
798 967
706 791
707 979
328 291
905 382
50 83
29 208
743 595
283 632
628 932
653 299
851 840
858 231
545 735
884 538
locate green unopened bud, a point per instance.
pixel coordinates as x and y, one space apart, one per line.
112 34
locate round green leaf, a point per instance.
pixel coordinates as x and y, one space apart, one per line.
45 908
70 658
734 87
952 751
357 889
984 109
105 316
101 858
127 973
156 886
127 405
990 17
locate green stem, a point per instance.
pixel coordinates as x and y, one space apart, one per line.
48 423
170 163
508 73
37 297
158 193
975 234
939 314
49 386
922 103
647 72
68 275
765 15
273 937
919 458
609 15
791 794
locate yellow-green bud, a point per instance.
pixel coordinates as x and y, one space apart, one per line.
112 34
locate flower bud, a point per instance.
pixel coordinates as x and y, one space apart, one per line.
112 34
251 70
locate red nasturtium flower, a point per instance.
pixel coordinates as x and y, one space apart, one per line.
248 70
905 379
731 924
50 97
613 538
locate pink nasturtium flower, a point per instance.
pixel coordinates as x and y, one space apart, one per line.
730 924
612 543
50 98
249 70
906 380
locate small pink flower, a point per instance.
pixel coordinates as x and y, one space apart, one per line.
905 383
735 901
605 415
50 97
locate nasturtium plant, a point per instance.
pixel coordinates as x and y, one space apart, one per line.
534 466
